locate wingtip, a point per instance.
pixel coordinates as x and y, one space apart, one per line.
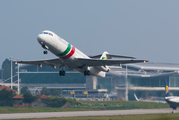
146 61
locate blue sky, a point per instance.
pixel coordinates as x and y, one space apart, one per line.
143 29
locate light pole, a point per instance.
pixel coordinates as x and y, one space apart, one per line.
11 72
126 85
18 75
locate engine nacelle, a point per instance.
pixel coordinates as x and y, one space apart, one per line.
102 68
96 72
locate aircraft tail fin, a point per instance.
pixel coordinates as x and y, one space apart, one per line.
167 92
136 97
104 56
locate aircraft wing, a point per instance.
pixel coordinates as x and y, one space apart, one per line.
97 62
88 62
51 62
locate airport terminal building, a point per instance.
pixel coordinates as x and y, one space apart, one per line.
143 79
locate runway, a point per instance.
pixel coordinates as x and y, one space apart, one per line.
84 113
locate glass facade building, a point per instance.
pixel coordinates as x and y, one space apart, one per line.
47 75
137 75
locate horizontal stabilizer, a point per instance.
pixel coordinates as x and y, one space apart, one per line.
110 56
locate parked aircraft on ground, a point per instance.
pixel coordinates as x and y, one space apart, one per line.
74 59
173 101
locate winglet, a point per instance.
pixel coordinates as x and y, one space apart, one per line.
167 93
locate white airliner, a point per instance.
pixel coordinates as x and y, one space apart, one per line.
71 57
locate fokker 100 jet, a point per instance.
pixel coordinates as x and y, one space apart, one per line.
74 59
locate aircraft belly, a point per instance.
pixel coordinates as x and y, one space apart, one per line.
172 103
55 49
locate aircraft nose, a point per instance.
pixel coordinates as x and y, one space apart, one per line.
40 38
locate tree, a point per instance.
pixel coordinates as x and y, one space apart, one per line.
25 90
56 92
6 66
15 88
6 98
28 97
45 91
55 102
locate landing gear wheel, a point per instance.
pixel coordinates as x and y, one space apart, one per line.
86 72
45 52
62 73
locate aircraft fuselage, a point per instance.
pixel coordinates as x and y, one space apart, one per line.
67 53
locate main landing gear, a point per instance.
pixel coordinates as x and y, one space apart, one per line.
62 73
174 108
86 72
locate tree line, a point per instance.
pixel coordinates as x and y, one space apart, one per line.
6 98
45 91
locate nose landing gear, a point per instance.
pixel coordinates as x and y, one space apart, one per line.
46 48
45 52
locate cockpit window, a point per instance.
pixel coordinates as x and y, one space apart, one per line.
47 33
50 34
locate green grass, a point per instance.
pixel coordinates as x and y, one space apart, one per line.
121 117
89 105
113 105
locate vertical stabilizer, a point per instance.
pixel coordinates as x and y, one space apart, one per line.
104 56
136 97
103 68
167 93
